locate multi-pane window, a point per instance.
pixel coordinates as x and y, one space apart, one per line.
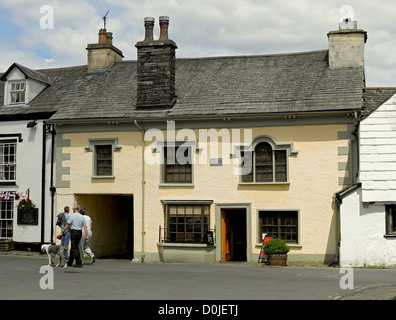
264 164
177 164
6 218
104 160
280 224
390 219
17 92
186 223
7 160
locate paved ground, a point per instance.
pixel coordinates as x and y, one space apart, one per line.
120 280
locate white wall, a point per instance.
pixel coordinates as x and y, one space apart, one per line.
362 234
29 176
378 154
33 87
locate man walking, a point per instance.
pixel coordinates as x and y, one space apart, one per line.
76 223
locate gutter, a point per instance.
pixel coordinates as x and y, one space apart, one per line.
143 190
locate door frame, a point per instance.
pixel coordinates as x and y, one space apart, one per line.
219 207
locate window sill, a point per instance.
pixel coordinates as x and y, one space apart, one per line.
176 185
184 245
263 183
103 177
7 183
291 245
390 235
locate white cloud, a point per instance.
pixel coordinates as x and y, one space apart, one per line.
200 28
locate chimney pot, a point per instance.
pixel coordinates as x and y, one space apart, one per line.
109 37
149 25
102 36
164 24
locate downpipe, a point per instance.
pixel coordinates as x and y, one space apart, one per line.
143 190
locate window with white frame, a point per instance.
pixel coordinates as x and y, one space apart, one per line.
17 92
7 161
6 218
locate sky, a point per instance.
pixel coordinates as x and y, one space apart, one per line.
54 33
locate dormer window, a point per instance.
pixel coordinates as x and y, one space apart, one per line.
22 85
17 92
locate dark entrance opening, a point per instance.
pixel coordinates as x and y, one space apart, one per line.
112 224
234 242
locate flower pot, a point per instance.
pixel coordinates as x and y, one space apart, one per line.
277 259
6 245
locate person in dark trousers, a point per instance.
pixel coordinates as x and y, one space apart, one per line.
76 224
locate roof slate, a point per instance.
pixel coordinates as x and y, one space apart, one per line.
375 97
219 86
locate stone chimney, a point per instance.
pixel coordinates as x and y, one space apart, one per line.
156 68
346 45
103 54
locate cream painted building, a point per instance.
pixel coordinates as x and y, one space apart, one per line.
136 146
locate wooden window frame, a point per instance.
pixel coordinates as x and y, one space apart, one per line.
180 225
7 218
92 147
280 159
167 168
20 93
281 229
8 168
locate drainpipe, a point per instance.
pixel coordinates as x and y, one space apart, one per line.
44 147
52 187
143 189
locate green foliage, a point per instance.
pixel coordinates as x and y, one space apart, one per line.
276 246
26 204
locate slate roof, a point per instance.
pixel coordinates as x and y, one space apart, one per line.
46 103
219 86
29 73
374 98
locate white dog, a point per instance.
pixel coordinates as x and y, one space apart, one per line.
52 250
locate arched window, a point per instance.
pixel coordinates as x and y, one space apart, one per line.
265 164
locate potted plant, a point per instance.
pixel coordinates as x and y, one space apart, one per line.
276 251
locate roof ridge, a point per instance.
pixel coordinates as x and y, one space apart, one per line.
256 55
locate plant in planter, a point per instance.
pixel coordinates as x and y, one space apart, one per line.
26 204
276 251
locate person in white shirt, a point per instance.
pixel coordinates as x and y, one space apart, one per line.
86 245
77 226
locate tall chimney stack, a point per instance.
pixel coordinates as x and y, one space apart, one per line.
346 45
156 68
103 54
